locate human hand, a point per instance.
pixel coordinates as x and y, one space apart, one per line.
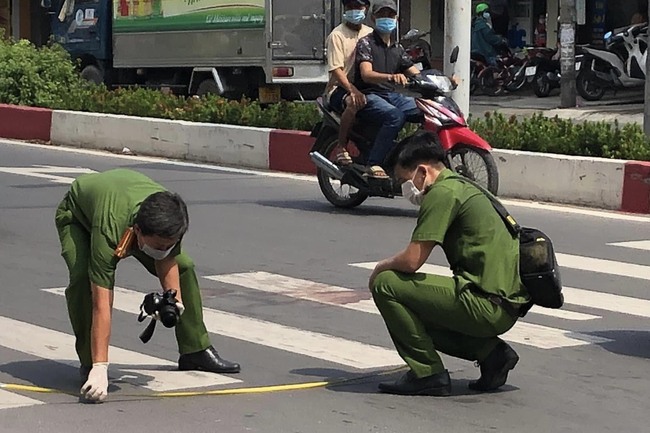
378 270
400 79
96 387
358 99
456 80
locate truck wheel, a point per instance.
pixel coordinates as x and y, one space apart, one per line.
93 74
207 86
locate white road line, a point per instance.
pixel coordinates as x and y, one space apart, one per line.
602 266
572 296
639 245
316 345
126 366
516 203
11 400
47 172
524 333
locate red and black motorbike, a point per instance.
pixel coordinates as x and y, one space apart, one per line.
468 154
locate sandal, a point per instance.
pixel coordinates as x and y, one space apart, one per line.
376 172
344 158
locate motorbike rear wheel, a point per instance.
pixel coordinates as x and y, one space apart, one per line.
333 189
588 88
476 164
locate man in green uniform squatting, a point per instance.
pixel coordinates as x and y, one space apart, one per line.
103 218
460 315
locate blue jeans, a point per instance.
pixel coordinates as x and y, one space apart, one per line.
390 112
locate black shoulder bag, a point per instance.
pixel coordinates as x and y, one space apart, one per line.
538 267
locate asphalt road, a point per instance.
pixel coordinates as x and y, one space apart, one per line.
582 369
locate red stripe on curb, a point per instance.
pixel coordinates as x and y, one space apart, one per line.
636 187
289 152
25 123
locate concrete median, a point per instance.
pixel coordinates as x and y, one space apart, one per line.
595 182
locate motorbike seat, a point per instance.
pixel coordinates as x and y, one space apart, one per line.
327 111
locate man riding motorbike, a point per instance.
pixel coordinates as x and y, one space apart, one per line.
381 65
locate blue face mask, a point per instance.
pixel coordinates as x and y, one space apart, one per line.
354 16
385 25
486 15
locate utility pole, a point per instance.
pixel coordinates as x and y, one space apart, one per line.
567 53
458 31
646 104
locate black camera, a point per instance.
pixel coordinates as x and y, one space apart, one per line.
163 306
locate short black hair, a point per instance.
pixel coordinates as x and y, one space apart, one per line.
163 214
421 147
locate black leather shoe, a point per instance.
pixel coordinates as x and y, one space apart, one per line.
437 385
207 360
495 368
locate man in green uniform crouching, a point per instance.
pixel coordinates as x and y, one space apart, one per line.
460 315
103 218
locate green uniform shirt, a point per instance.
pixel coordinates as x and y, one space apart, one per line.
106 205
478 246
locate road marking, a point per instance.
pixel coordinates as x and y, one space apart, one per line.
47 172
639 245
524 333
316 345
603 266
308 178
572 296
126 366
11 400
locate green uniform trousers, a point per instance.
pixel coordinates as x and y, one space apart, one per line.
425 313
190 330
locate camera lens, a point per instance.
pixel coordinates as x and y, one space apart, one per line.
168 316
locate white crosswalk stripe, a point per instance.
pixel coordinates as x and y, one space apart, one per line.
156 374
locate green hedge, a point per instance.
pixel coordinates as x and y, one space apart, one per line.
46 77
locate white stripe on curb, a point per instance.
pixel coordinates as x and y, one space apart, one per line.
542 337
321 346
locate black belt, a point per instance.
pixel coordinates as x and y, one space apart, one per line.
513 311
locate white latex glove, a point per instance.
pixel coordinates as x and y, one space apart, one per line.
96 387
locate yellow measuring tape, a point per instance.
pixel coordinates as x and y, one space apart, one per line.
228 391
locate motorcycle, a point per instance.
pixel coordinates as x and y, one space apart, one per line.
418 49
468 154
620 65
544 71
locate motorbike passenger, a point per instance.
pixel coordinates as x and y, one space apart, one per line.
342 96
381 65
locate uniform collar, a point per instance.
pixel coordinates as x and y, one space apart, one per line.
381 42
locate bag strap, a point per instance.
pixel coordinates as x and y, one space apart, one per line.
512 225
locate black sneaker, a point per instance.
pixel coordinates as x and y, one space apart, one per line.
495 368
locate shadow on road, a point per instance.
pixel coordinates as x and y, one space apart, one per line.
355 383
626 342
323 207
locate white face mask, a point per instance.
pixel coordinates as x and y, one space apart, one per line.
154 253
412 193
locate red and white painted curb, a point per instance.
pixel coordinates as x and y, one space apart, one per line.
596 182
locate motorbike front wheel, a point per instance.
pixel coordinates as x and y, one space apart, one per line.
542 85
588 88
475 164
339 194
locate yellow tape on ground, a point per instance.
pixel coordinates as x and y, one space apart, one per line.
227 391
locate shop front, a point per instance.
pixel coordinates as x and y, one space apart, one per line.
24 19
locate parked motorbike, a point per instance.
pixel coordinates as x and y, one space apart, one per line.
543 71
468 154
417 48
620 65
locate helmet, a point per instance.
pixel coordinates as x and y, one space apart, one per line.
481 7
356 2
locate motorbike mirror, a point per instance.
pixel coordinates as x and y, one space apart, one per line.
46 4
454 55
412 33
